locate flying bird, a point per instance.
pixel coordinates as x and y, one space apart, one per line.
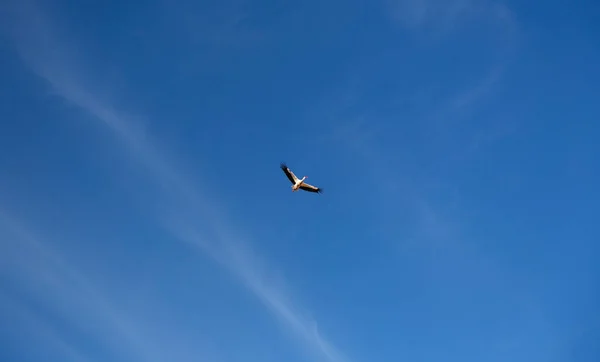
299 183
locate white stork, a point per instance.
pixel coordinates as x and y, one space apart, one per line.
299 183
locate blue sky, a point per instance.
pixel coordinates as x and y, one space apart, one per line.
144 217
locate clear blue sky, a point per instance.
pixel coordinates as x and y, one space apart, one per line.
144 217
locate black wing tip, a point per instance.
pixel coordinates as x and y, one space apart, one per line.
317 190
283 165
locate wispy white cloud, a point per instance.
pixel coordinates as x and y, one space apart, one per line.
443 16
235 254
43 334
439 114
440 17
463 103
440 227
417 13
477 91
226 26
37 273
440 236
52 59
43 272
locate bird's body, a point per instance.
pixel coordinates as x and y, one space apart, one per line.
298 184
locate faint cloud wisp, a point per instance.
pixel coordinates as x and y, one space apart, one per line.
39 269
444 16
188 203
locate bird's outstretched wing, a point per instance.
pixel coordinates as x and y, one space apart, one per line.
311 188
290 175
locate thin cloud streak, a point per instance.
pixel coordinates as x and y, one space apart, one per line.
39 269
440 116
189 204
243 263
41 332
436 229
445 15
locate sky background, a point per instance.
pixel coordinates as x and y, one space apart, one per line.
144 217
